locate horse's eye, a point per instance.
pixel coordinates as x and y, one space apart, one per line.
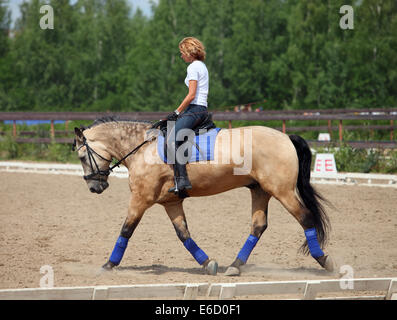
82 158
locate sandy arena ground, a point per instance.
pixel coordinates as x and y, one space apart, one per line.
55 220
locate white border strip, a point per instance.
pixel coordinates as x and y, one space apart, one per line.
305 289
53 168
362 179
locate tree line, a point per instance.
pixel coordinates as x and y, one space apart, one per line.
288 54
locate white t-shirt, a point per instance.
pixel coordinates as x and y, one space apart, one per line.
198 71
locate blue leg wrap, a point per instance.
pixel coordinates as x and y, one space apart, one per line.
196 252
247 248
118 250
312 242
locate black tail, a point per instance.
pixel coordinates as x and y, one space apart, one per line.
310 197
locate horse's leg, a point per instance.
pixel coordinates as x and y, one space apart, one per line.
260 201
306 220
177 216
136 210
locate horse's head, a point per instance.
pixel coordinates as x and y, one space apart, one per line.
94 159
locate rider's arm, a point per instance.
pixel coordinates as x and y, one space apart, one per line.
189 97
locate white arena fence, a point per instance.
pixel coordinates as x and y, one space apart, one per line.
362 179
301 289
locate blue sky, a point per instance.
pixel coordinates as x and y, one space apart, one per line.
143 4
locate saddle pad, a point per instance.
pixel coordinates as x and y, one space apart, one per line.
205 142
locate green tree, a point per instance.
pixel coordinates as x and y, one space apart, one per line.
5 79
290 52
371 61
5 21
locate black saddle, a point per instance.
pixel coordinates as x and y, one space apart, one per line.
204 126
207 124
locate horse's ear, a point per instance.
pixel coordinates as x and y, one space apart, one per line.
78 132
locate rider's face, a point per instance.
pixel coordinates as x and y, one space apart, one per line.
186 57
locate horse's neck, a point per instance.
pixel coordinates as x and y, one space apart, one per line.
122 138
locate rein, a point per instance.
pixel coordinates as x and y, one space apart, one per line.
106 172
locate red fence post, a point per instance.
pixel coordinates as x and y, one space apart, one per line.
14 128
284 128
340 131
330 128
52 129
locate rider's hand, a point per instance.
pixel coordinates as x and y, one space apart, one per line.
172 116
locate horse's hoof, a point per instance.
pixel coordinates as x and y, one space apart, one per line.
232 271
326 262
212 268
329 264
108 266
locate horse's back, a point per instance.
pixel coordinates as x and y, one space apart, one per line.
262 138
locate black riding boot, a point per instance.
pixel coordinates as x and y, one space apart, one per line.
181 179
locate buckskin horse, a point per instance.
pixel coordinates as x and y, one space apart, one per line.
280 168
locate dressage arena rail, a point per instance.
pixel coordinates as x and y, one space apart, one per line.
338 115
362 179
301 289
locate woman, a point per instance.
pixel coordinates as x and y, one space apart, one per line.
193 109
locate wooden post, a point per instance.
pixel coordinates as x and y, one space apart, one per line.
284 128
14 128
391 130
340 131
66 125
230 124
330 128
52 129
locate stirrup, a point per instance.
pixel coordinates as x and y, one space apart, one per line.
174 190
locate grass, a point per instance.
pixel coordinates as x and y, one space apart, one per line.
349 159
53 152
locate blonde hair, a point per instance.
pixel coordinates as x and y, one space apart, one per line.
192 47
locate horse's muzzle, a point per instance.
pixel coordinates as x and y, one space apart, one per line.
99 188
